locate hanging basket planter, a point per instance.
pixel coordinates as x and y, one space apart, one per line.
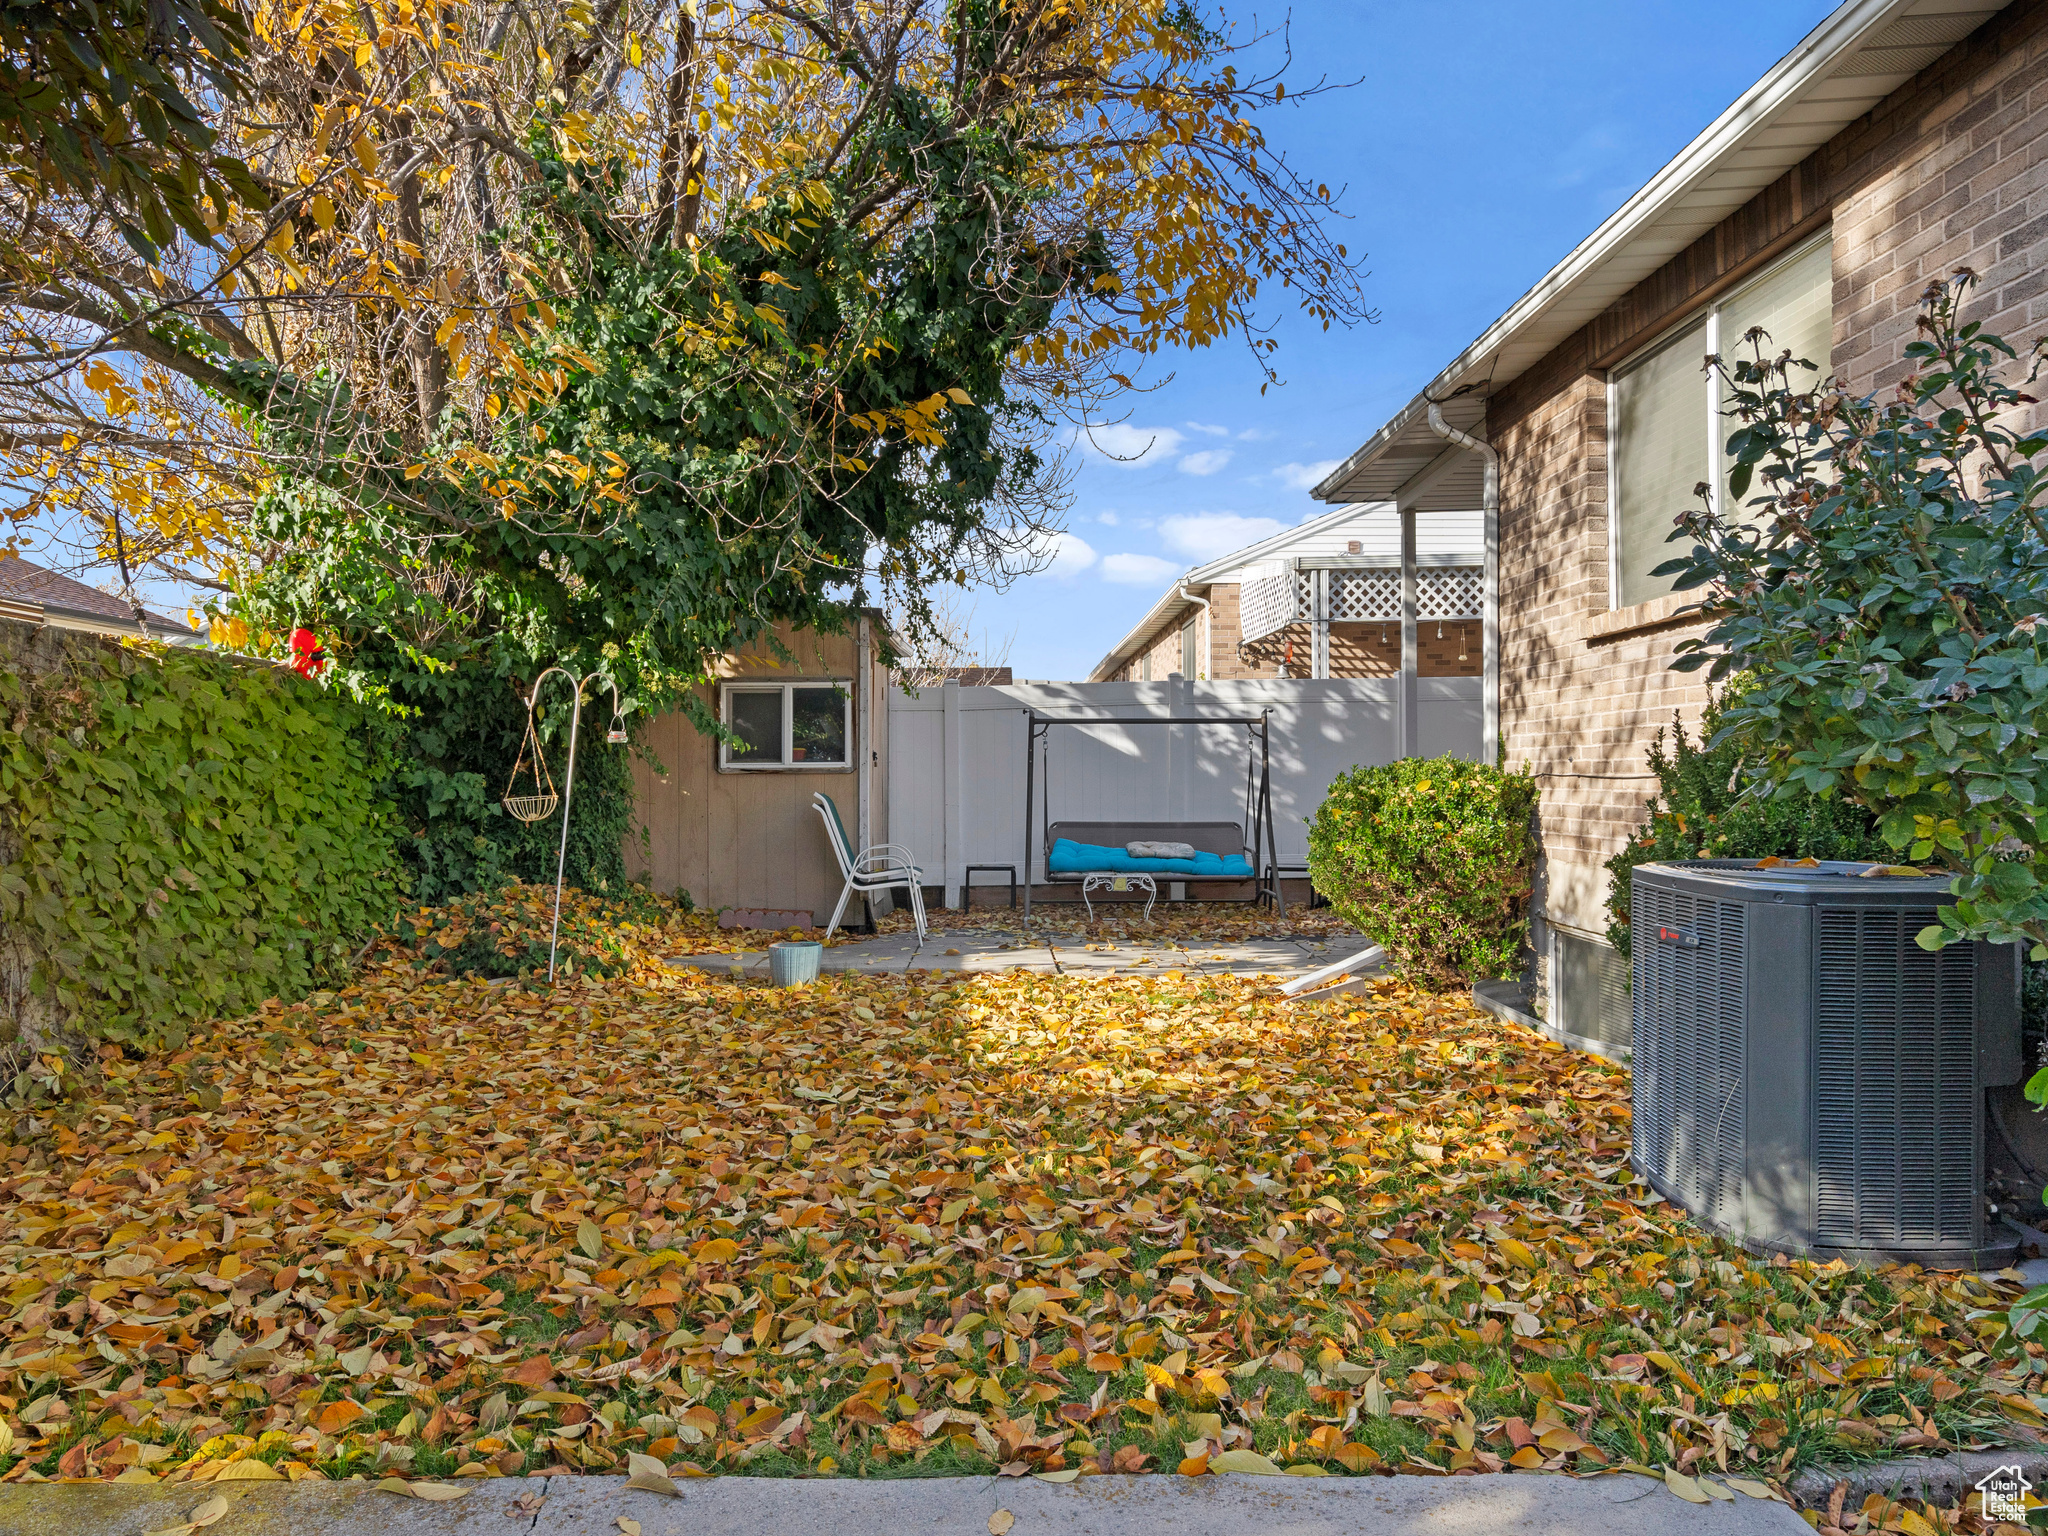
531 807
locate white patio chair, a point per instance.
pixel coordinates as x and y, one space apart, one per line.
883 867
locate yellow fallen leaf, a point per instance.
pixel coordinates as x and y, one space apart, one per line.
629 1525
1307 1469
205 1514
439 1493
649 1475
248 1470
1685 1488
1242 1460
1000 1522
1751 1488
1520 1253
1064 1475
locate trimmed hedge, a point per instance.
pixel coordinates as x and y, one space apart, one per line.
1434 859
182 836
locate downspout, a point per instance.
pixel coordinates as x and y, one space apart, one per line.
1187 596
1489 603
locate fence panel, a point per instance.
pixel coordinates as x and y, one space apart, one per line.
963 768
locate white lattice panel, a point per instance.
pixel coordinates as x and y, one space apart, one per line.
1449 592
1371 594
1267 604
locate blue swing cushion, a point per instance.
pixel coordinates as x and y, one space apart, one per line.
1072 858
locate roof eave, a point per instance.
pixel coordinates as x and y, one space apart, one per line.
1813 59
1154 620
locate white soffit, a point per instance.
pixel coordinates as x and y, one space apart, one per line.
1849 63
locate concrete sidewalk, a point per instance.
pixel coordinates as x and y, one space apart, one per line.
1529 1505
1065 955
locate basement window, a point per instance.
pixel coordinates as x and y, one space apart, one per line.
1665 427
787 726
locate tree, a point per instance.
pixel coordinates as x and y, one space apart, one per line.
1886 590
97 103
789 192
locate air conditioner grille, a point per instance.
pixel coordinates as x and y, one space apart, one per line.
1895 1140
1688 1064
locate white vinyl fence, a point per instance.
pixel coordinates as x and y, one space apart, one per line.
956 758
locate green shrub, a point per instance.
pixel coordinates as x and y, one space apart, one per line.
183 836
460 731
1434 859
1698 813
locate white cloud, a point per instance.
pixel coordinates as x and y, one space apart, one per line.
1253 435
1305 477
1205 429
1138 570
1107 519
1071 555
1205 536
1207 462
1127 446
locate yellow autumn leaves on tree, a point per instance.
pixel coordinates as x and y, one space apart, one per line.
398 262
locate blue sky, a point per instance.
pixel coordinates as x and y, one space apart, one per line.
1489 138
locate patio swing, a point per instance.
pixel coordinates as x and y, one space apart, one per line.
1093 854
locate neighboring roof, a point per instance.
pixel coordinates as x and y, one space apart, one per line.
37 595
1855 58
1322 534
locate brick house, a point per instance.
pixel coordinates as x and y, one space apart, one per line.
1900 140
1324 599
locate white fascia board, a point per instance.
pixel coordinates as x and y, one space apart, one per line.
1798 72
1279 543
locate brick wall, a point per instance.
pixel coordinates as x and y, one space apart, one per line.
1371 649
1225 631
1951 169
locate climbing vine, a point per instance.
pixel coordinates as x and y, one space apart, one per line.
181 837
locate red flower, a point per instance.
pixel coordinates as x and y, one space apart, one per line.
307 657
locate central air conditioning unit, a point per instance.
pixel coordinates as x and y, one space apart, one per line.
1808 1079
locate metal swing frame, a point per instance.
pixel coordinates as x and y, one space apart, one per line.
1259 836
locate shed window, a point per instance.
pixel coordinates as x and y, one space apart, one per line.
1666 427
788 725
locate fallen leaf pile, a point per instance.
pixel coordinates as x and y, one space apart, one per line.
505 933
1029 1223
1172 922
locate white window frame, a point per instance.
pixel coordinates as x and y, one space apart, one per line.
787 688
1717 442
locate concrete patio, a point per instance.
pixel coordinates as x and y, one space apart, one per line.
1057 954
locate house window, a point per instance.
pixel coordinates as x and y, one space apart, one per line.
1145 668
787 725
1187 650
1666 429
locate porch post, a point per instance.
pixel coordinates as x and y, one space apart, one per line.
956 854
1319 645
1408 735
